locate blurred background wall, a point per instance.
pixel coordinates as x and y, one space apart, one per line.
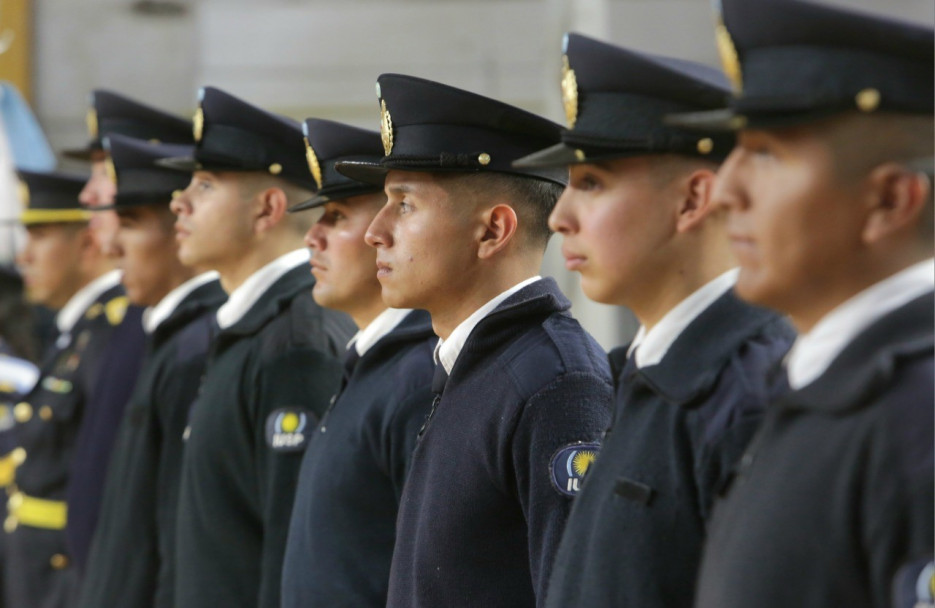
321 58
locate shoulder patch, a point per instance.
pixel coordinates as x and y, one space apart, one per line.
570 464
287 429
115 309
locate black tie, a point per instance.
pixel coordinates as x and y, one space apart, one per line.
351 357
439 379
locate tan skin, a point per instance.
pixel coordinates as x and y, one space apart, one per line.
342 262
225 224
808 235
58 260
149 260
641 234
99 191
444 253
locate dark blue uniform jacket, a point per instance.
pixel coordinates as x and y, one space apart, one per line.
344 519
486 500
269 378
39 569
119 372
835 493
634 537
133 553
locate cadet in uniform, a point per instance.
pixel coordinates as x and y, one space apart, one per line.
638 223
132 557
272 368
344 518
832 226
110 114
64 269
528 391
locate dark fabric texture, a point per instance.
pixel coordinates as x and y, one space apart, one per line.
119 372
344 519
237 488
68 378
835 493
131 562
636 531
480 518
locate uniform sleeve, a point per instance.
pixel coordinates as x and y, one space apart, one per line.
573 410
292 392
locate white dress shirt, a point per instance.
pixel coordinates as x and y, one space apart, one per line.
383 324
447 351
812 353
78 304
655 343
155 315
244 297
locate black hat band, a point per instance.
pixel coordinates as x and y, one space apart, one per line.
431 146
809 78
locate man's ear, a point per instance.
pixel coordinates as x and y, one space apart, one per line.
895 202
498 229
271 208
696 200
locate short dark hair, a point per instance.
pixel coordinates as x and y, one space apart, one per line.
532 198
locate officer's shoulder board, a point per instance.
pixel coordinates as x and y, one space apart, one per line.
570 464
288 429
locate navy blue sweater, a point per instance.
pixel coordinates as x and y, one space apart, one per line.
344 517
488 494
635 534
835 493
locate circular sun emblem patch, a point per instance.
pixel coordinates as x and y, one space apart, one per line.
570 464
285 430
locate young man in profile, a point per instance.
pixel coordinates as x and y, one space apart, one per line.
273 366
344 519
637 222
523 392
831 221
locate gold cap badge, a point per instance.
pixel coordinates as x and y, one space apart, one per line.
313 165
386 128
198 123
730 60
569 93
91 120
111 169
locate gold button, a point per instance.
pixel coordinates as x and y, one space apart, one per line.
15 501
275 168
22 412
45 412
737 122
58 561
868 100
19 456
9 524
579 154
484 159
705 145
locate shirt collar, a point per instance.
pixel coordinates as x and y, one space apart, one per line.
447 351
654 344
383 324
154 316
83 298
812 353
244 297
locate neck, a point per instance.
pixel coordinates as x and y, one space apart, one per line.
364 315
486 283
236 271
689 271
